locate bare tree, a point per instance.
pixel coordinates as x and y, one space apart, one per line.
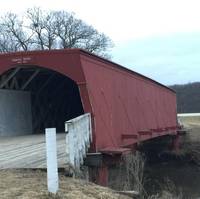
43 30
6 42
13 33
43 27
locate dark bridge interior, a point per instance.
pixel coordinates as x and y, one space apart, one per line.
55 98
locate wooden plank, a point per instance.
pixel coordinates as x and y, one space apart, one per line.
114 150
13 73
145 132
129 193
129 136
29 151
94 159
30 79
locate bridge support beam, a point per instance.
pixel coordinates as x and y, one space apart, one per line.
99 175
98 169
176 143
102 176
98 166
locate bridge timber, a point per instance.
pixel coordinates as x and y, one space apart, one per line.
44 89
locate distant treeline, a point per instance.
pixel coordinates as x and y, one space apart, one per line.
188 97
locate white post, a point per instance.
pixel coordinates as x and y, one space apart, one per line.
52 165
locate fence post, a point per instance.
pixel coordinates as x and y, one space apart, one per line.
52 165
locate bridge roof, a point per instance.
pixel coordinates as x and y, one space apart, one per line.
82 52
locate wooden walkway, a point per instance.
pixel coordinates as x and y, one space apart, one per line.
28 151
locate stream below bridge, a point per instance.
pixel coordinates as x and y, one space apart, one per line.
173 175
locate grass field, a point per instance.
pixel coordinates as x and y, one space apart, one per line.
30 184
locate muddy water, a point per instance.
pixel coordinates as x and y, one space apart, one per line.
173 175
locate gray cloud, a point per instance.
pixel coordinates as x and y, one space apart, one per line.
173 59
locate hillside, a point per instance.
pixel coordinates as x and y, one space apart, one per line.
30 184
188 97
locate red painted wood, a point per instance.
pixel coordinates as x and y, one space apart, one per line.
120 100
145 132
125 101
102 176
176 143
129 136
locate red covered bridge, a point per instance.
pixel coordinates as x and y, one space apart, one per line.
126 107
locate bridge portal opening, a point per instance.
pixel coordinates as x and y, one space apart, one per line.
35 98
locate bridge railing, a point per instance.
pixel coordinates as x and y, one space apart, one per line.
78 139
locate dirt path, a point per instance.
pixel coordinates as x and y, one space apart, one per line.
29 184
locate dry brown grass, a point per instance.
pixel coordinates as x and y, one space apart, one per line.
169 191
191 142
29 184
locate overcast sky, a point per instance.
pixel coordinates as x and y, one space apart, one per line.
158 38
